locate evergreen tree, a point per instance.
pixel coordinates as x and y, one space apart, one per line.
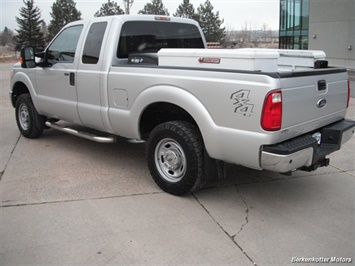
186 10
29 23
109 9
63 12
155 8
6 37
210 23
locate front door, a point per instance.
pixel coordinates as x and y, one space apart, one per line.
56 85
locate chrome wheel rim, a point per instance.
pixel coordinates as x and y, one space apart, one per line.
170 160
24 116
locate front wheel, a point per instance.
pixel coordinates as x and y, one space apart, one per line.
175 157
29 122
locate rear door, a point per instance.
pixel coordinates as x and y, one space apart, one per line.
91 80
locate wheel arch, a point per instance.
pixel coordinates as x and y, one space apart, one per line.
167 103
21 84
18 89
161 112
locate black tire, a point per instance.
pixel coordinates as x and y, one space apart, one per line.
29 122
175 157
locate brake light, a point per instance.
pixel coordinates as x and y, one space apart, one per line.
162 18
271 116
348 102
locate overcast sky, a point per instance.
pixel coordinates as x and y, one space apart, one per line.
234 12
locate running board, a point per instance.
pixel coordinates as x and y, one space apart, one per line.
82 134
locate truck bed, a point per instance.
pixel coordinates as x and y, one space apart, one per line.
314 95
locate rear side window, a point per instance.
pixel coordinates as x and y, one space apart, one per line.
151 36
93 43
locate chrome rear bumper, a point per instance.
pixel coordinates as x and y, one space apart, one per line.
304 152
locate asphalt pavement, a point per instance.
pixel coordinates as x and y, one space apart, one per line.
69 201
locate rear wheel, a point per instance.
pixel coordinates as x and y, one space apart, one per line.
175 157
29 122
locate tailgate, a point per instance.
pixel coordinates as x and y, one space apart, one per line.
312 99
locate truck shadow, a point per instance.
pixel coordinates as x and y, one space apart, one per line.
127 157
124 162
59 166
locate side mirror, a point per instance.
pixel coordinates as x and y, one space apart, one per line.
27 58
44 59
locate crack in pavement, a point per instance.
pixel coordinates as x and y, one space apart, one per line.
243 199
246 211
220 226
348 171
74 200
8 160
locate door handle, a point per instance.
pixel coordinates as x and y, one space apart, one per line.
71 78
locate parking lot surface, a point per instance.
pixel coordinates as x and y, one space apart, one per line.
69 201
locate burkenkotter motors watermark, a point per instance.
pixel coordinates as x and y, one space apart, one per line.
321 260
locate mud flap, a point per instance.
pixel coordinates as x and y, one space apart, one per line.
214 170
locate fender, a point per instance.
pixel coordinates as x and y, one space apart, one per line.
126 122
22 77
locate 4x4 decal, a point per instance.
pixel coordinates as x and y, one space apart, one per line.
241 102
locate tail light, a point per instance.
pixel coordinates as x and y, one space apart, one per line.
348 102
271 116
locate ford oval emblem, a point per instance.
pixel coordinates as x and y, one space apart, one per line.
321 103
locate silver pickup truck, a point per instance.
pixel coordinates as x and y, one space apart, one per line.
151 78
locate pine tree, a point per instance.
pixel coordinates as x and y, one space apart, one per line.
210 23
186 10
155 8
6 37
29 23
109 9
63 12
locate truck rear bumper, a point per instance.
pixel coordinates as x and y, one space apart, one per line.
304 152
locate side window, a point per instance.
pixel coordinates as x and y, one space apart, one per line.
63 47
93 43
